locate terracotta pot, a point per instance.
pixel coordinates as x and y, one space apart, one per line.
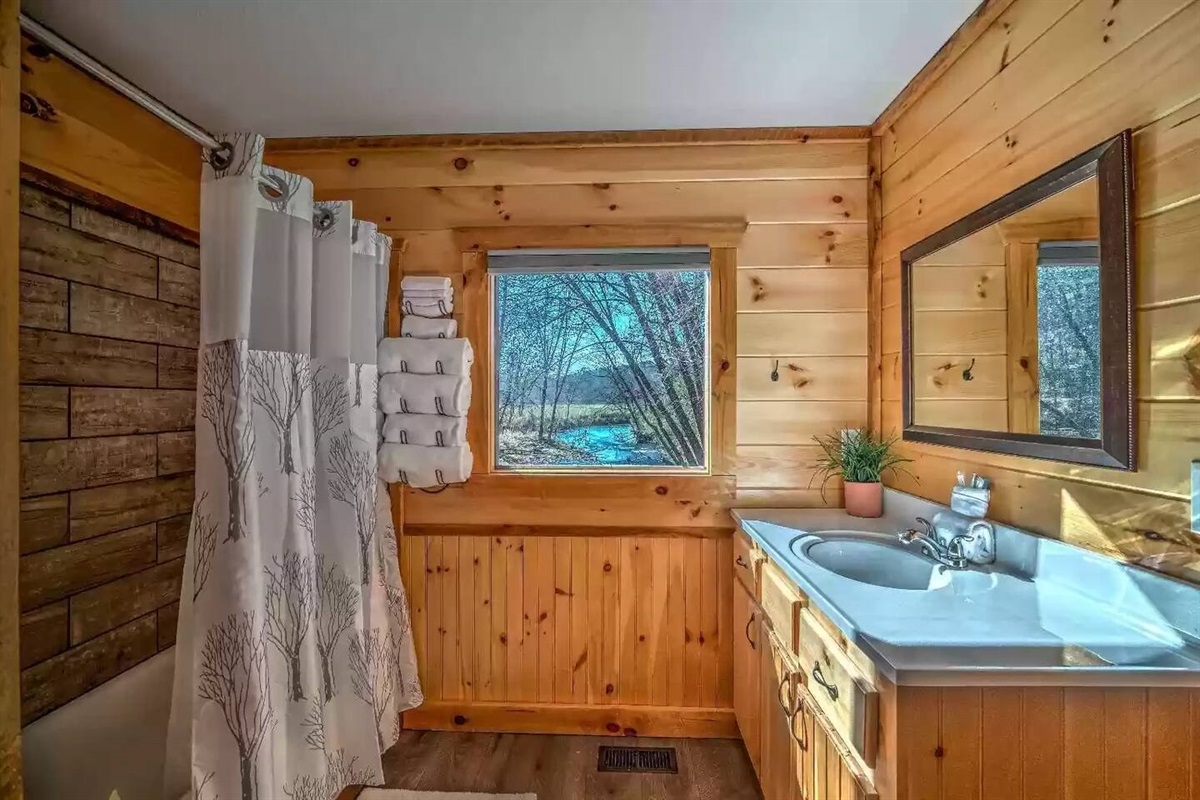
864 499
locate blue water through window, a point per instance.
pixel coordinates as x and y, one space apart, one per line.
598 369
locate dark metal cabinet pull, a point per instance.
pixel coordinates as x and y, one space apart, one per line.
820 678
779 696
802 712
750 622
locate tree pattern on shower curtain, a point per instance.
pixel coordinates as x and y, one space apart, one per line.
294 653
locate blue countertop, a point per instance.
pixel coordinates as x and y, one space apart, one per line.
1002 626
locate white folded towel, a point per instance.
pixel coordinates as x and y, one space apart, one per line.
402 392
426 328
427 294
426 356
425 283
429 430
423 467
427 307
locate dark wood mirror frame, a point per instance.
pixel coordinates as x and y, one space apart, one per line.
1111 164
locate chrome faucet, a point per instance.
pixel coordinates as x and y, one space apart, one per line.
950 555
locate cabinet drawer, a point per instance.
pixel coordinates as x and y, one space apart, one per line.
840 688
782 603
746 558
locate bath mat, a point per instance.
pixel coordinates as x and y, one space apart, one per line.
408 794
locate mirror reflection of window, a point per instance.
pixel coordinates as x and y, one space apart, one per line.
1068 324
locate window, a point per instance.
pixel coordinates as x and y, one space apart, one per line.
1068 320
601 359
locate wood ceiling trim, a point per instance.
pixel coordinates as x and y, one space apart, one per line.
695 136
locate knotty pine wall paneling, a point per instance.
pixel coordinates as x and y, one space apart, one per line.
77 130
602 603
1027 87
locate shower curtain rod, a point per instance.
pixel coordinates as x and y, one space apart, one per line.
106 76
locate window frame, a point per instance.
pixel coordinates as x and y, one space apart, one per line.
721 237
493 373
1032 313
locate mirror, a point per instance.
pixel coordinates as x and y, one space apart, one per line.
1017 328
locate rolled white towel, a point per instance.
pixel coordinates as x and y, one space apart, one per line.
427 307
426 356
424 467
426 283
405 393
428 430
426 328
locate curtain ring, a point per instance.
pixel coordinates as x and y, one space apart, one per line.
323 219
221 156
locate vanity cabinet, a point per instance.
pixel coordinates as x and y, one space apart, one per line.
822 722
747 671
796 748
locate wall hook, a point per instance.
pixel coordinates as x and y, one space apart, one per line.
775 372
967 376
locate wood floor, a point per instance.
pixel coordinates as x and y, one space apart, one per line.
564 767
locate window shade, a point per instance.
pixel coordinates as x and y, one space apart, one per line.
645 259
1082 252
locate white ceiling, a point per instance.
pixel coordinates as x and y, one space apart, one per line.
362 67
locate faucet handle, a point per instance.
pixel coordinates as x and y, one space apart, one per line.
928 525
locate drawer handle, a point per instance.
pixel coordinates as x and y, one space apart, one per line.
802 712
779 695
741 562
819 678
750 622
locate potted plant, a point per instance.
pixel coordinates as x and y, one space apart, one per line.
860 457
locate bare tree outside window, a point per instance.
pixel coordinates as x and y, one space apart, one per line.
601 368
1069 350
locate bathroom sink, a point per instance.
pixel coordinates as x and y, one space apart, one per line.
874 558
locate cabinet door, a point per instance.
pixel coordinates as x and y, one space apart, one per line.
802 751
778 775
747 700
823 768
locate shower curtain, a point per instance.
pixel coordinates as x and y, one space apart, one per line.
294 654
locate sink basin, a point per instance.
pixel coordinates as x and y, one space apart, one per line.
873 558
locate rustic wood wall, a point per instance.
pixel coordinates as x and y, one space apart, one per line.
109 326
602 602
1025 86
10 696
108 292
